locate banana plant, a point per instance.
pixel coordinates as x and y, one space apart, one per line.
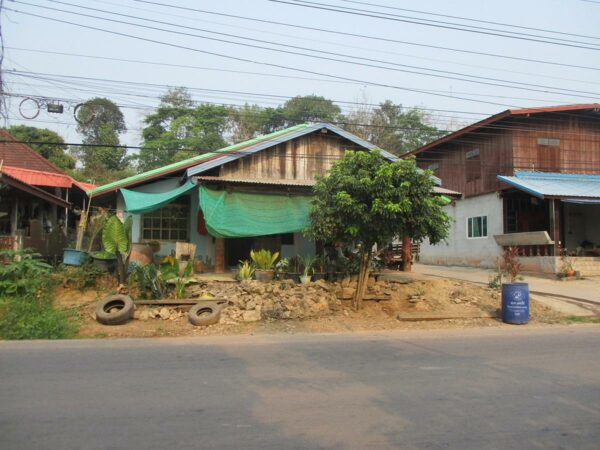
116 239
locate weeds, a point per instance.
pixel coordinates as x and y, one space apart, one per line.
583 319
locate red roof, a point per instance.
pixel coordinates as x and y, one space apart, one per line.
6 178
500 116
84 186
22 156
39 178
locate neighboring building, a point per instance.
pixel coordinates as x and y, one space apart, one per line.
255 194
529 178
36 200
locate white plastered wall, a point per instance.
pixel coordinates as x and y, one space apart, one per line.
458 250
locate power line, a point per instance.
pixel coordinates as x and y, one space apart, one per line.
472 20
440 24
437 72
364 36
247 60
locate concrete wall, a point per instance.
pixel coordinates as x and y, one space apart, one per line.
460 250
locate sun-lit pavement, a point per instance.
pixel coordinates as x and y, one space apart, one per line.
587 289
518 387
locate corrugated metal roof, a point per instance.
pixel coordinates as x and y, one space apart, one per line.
186 163
555 185
17 154
8 179
444 191
39 178
262 181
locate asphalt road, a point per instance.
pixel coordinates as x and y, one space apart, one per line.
519 387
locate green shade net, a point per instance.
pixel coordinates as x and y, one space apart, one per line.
241 214
145 202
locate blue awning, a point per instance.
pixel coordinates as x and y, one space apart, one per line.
568 187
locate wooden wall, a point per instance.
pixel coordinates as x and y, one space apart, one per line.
299 159
578 151
495 152
512 145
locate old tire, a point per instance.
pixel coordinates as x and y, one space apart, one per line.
114 310
203 314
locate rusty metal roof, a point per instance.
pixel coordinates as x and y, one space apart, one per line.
255 181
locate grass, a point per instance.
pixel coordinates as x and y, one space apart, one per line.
583 319
26 318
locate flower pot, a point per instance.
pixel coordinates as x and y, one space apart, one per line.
305 279
106 264
294 276
264 276
198 266
72 257
142 253
515 303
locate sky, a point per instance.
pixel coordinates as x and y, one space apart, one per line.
133 63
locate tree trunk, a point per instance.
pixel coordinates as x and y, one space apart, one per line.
406 254
363 277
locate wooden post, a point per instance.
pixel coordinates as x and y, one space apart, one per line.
219 255
406 254
554 208
14 216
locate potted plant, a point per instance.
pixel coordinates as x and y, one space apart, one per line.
515 295
321 266
281 267
293 270
308 262
78 257
73 257
104 260
245 271
264 261
566 263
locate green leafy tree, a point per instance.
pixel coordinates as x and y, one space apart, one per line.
367 201
100 121
309 108
45 142
179 130
391 129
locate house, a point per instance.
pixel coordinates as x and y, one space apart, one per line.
37 200
254 194
530 178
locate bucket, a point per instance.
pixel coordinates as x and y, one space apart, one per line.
72 257
141 253
515 303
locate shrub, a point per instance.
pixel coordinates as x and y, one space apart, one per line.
25 318
245 270
264 259
80 277
23 273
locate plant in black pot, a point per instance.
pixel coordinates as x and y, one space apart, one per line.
293 270
320 267
515 295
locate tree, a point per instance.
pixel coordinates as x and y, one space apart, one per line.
309 108
180 130
367 201
391 129
100 121
45 142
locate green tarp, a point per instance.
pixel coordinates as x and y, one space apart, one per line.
242 214
145 202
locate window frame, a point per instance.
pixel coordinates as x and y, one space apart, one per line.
180 203
483 218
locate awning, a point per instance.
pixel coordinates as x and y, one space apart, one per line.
242 214
564 186
145 202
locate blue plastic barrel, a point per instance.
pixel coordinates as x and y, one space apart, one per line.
515 303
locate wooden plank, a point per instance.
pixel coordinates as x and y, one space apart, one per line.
180 301
418 317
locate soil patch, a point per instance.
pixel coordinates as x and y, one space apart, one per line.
285 307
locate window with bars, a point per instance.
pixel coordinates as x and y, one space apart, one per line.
170 223
477 227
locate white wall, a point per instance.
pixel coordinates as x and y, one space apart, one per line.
458 249
582 223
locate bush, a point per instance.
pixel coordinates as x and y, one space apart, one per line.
23 273
80 277
25 318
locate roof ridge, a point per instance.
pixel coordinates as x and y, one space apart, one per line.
28 149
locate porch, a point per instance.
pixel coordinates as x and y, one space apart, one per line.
552 219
